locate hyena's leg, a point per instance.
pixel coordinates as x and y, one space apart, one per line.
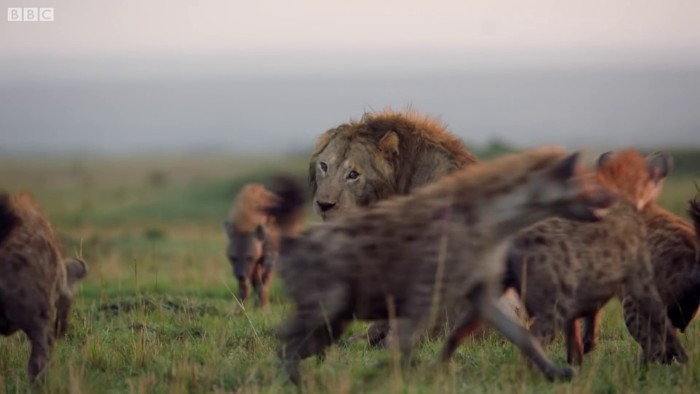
315 326
492 313
302 342
645 315
242 289
574 344
591 323
41 339
257 281
411 323
264 293
543 308
407 331
293 335
652 330
544 327
63 309
468 322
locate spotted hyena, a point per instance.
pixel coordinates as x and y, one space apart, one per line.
450 233
566 270
36 283
253 241
674 246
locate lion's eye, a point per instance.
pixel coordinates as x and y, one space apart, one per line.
324 166
353 174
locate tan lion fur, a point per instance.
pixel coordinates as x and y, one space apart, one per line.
393 153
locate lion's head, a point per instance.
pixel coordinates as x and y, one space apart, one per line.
381 155
349 170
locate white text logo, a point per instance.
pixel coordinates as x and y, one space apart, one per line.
30 14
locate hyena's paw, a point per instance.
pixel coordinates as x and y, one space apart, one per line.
563 373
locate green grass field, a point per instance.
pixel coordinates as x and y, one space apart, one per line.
157 312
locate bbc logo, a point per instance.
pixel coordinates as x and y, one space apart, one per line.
30 14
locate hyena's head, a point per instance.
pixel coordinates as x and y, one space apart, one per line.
75 269
634 177
565 190
244 248
246 227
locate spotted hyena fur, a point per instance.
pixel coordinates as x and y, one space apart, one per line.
253 242
566 270
36 283
674 247
451 234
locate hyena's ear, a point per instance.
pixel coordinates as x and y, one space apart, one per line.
389 143
76 269
659 165
260 232
566 168
604 158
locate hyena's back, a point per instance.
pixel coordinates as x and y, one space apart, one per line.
371 285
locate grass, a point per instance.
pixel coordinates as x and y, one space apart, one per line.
157 312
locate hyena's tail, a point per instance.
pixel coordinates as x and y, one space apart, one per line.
694 212
289 209
8 218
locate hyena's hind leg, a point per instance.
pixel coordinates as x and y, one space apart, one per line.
492 312
468 322
36 321
544 327
574 343
652 331
591 331
41 339
646 318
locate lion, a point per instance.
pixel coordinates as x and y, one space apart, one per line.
381 155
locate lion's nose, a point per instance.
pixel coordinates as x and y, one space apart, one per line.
325 206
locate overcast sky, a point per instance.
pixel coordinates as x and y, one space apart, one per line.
123 75
106 26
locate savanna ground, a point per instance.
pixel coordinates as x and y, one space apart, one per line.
157 312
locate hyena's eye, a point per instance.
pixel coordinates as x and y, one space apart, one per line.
353 175
323 166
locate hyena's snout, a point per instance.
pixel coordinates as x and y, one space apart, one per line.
592 202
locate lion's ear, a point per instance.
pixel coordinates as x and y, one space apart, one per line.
389 143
